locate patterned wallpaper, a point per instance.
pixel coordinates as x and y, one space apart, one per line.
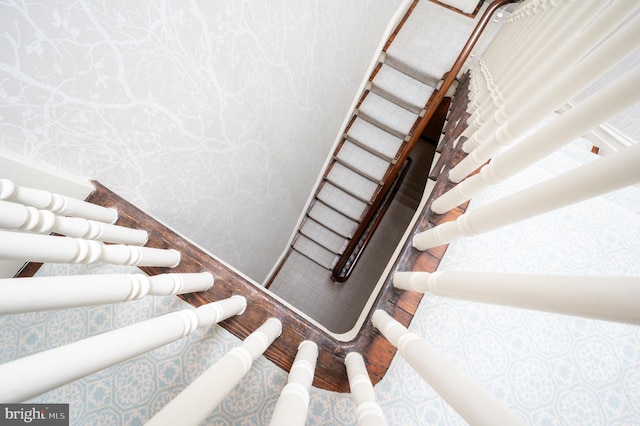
213 116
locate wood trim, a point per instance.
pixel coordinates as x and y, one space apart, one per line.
455 9
330 370
29 269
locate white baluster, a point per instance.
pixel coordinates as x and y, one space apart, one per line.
368 412
529 39
30 376
194 403
604 175
293 404
537 62
47 248
19 217
57 203
596 109
18 295
607 298
462 392
531 106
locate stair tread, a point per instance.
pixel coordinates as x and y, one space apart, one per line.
314 251
374 137
341 201
323 236
333 220
357 184
362 160
387 115
401 88
422 37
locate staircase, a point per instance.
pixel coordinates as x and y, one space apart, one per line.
377 139
544 367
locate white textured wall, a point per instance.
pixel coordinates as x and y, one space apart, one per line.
214 116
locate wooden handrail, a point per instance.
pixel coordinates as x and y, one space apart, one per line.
343 274
432 104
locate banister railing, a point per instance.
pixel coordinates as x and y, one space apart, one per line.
347 262
430 109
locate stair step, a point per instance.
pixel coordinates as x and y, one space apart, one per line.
375 138
315 252
401 89
362 160
333 219
357 184
387 115
341 201
427 52
323 236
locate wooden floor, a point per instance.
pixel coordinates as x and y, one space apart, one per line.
330 370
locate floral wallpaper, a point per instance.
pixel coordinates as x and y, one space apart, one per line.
214 116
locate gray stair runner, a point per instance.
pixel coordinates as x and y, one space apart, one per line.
393 102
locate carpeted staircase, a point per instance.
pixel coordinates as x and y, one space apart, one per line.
408 72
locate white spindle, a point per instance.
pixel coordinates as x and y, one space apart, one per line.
368 412
27 377
599 107
18 295
598 177
535 63
607 298
19 217
293 404
462 392
57 203
531 106
536 36
195 402
47 248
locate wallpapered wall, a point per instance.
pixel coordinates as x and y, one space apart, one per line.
214 116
